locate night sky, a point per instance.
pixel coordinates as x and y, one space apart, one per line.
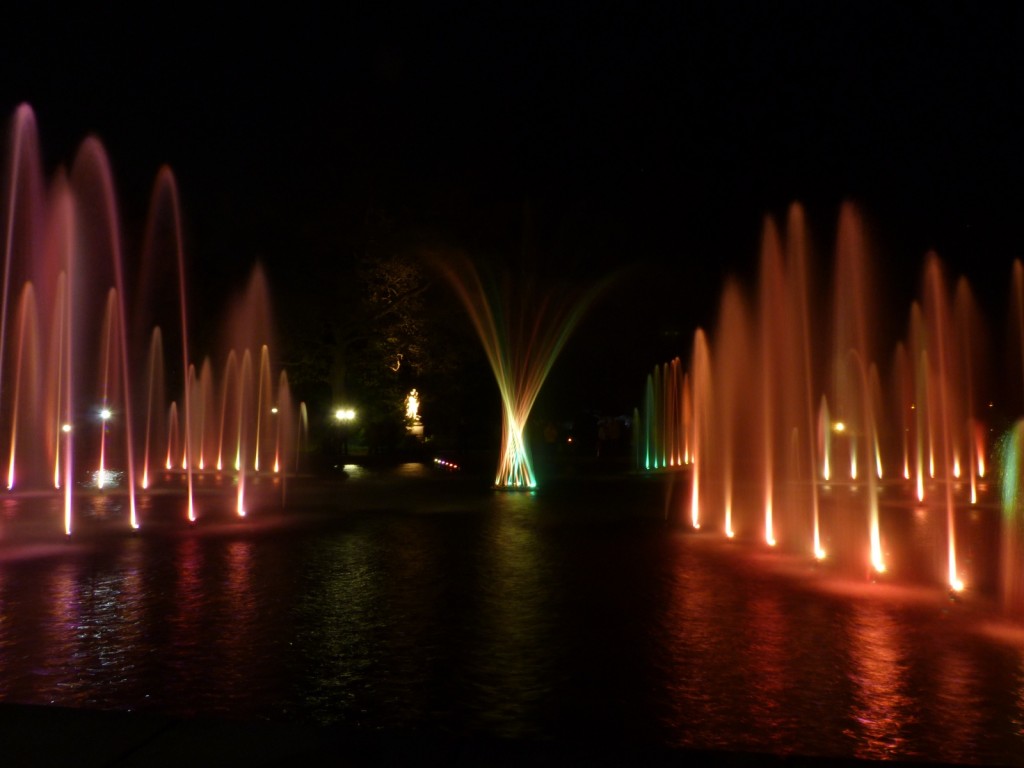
650 135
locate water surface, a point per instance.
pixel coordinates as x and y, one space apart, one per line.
417 600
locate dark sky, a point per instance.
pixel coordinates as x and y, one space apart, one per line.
635 133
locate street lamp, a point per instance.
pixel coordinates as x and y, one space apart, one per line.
103 477
344 417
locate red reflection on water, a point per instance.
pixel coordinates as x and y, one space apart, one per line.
239 600
881 707
958 703
187 615
705 675
59 639
770 679
216 608
91 640
131 598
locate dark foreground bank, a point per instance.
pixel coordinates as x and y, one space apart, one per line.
58 736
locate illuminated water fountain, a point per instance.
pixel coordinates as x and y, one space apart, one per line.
802 434
522 332
83 332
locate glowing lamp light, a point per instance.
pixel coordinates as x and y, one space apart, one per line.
839 426
65 428
819 553
957 585
274 410
345 414
105 414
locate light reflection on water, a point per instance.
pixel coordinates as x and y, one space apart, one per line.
417 601
89 632
882 707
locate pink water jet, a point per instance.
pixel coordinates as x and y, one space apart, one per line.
82 342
